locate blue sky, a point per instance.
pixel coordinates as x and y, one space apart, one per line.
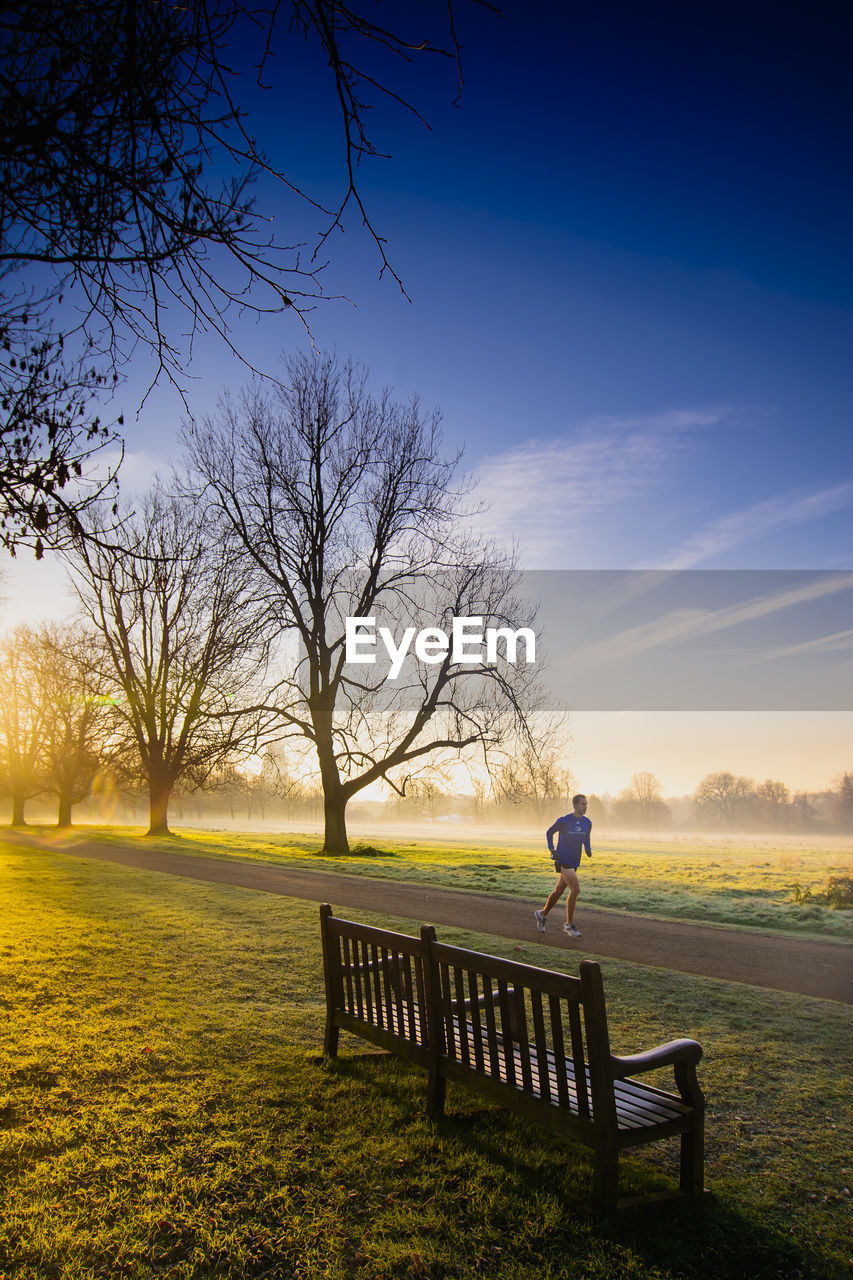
628 257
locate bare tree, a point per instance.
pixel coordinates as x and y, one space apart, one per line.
231 785
78 715
843 800
127 214
181 641
480 788
597 810
426 794
23 713
347 508
775 801
641 803
724 797
534 777
804 811
283 780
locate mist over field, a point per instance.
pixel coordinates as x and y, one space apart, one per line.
474 833
367 823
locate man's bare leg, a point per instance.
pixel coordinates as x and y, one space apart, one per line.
574 887
559 890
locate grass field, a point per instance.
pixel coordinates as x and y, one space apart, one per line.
162 1112
760 884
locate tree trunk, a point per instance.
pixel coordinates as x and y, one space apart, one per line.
334 797
64 818
335 814
18 802
159 791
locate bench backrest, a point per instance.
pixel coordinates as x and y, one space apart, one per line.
532 1031
527 1031
376 981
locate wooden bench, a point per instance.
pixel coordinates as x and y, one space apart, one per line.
534 1040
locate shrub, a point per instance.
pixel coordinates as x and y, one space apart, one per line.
839 891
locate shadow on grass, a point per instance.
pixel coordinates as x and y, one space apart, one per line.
704 1239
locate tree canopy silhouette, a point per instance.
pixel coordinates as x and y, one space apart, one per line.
346 507
181 642
127 215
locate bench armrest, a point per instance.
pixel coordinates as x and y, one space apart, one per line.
673 1053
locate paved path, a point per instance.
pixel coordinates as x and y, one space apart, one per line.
820 969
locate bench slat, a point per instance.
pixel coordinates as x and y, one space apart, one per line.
353 989
512 972
559 1054
543 1084
420 983
376 975
521 1032
578 1057
382 986
407 984
505 1042
447 1015
479 1038
364 977
394 984
460 1011
491 1040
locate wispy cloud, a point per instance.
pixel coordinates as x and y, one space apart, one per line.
694 623
543 490
838 642
783 511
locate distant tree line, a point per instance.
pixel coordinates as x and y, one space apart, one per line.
68 732
726 800
722 801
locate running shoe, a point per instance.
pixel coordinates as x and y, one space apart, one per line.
572 930
539 917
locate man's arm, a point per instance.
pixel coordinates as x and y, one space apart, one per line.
549 835
586 843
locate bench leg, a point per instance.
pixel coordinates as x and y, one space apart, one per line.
330 1039
605 1183
692 1180
435 1095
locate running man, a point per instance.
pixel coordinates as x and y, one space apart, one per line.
572 832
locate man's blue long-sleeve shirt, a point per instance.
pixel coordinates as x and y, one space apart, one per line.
572 834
